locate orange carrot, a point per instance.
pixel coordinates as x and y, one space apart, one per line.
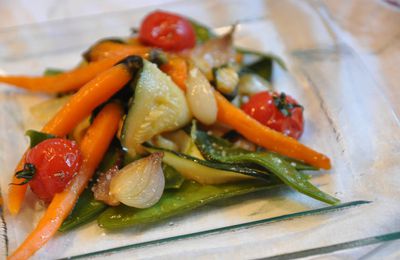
16 193
177 69
93 148
109 49
62 82
80 105
259 134
71 80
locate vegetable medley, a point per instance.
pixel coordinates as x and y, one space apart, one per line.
157 124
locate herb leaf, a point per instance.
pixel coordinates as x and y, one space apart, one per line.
37 137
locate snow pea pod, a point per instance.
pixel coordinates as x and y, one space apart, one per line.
217 149
191 195
298 165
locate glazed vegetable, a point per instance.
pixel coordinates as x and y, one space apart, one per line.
277 111
251 84
176 68
76 78
298 165
184 144
239 142
173 202
208 172
173 179
139 184
158 106
110 49
43 112
200 97
86 210
50 165
64 82
108 167
167 31
254 131
74 111
92 95
226 80
93 148
102 46
220 150
160 141
201 171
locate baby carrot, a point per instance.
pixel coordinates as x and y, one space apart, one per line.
109 49
80 105
254 131
63 82
93 148
73 79
177 69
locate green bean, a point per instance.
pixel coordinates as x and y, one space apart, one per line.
191 195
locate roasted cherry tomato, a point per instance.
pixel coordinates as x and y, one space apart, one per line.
167 31
51 165
277 111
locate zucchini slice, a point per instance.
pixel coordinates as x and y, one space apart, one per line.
207 172
158 106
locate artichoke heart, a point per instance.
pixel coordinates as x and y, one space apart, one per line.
158 106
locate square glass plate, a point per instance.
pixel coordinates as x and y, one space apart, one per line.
347 117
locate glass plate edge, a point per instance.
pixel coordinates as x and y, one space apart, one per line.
231 228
